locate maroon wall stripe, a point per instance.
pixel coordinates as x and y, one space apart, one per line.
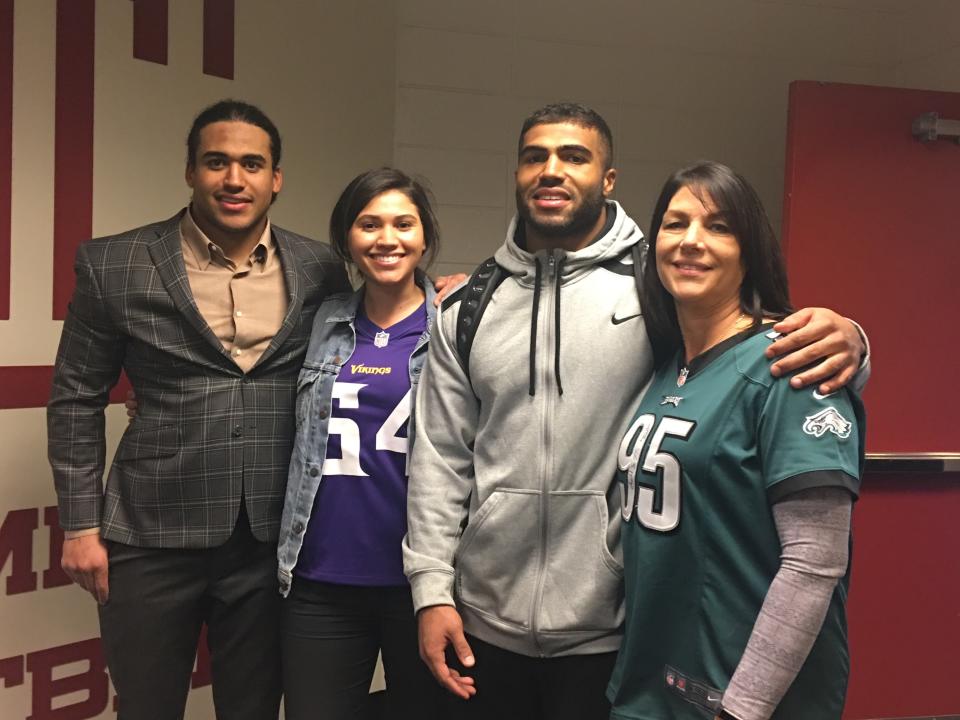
73 143
28 386
150 30
218 38
6 150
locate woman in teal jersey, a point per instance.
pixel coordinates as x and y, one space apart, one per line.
737 489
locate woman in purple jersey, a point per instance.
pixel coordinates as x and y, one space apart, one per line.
344 517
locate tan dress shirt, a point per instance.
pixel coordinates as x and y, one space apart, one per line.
243 304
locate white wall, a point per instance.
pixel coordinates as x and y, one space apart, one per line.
677 80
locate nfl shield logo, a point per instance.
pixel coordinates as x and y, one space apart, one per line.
381 339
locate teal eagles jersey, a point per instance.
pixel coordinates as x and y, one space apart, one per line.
700 467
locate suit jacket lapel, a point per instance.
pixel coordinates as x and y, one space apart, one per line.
167 254
291 276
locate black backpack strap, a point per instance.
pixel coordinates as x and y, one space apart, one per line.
475 296
638 253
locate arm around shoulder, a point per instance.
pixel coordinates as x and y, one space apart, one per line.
830 347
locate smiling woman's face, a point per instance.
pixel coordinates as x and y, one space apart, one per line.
698 256
386 240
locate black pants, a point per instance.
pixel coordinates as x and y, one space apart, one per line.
516 687
330 637
160 598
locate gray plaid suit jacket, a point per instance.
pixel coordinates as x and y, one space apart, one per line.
205 434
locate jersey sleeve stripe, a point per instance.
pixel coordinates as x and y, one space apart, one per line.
813 479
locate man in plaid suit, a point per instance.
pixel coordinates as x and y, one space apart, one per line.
209 314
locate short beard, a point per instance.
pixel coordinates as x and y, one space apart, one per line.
583 218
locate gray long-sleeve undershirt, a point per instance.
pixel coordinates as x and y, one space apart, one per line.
814 530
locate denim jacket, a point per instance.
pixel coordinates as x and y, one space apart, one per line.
331 345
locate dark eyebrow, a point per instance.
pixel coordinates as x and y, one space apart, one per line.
216 154
378 218
712 217
560 149
575 148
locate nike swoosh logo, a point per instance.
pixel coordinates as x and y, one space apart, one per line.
616 321
818 396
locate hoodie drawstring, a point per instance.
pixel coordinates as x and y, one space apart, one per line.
534 315
533 328
556 314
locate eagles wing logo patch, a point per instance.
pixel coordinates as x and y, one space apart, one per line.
828 419
671 400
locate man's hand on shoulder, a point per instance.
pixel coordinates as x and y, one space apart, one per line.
817 334
440 625
84 560
444 284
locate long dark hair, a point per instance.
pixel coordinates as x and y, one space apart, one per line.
363 189
764 291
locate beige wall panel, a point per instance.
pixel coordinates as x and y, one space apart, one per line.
496 17
600 23
712 83
452 268
893 7
767 179
833 35
456 60
681 26
470 235
458 177
446 119
563 71
938 72
662 135
638 184
928 29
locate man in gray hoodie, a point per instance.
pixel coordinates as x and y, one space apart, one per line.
513 515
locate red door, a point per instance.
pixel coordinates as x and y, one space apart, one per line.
872 229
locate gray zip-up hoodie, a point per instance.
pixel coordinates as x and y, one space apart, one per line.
512 511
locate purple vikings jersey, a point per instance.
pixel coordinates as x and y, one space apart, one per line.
360 512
